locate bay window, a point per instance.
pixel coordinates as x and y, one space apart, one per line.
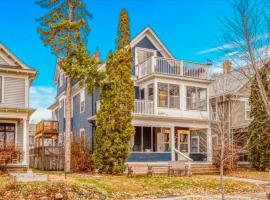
196 98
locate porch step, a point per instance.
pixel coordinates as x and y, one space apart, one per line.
204 170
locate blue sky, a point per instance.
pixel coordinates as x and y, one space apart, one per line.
189 28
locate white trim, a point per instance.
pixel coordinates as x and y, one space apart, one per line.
149 31
2 89
82 94
82 130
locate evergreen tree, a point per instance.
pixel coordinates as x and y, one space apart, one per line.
114 119
64 28
259 128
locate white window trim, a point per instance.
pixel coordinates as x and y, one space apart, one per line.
168 96
82 130
61 78
247 117
82 92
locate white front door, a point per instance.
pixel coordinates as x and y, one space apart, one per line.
182 141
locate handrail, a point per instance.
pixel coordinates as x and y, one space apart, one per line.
185 156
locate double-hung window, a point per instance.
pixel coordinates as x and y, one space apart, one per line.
196 98
82 101
168 95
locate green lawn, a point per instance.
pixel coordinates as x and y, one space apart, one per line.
121 187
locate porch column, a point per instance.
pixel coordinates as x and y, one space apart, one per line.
25 143
155 97
209 145
172 143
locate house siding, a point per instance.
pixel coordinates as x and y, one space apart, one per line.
80 120
14 92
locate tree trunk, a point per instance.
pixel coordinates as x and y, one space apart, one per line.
68 127
68 102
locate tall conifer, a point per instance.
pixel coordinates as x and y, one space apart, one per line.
259 128
64 28
114 119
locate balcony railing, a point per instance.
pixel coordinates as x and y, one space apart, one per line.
47 127
144 107
172 67
140 107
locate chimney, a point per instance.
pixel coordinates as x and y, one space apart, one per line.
227 67
97 54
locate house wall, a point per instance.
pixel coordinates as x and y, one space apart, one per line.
238 113
14 92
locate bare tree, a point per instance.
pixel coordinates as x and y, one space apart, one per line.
224 104
247 39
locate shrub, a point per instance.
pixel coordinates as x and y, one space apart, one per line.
81 159
230 157
9 153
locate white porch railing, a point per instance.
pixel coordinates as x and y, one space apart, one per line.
172 67
184 157
144 107
140 107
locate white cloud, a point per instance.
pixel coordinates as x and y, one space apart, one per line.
218 48
41 97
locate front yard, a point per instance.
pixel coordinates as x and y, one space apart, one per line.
86 186
251 173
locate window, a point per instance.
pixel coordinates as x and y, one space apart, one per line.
174 96
151 92
7 134
247 110
61 78
144 54
31 139
82 101
162 95
196 98
1 90
142 94
168 95
195 142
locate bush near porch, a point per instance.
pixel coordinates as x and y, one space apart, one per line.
121 187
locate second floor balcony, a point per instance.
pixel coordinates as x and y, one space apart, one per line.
172 67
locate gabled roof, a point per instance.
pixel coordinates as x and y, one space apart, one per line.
230 83
151 35
7 58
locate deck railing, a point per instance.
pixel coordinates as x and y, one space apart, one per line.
143 107
47 126
172 67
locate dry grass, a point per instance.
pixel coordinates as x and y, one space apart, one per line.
251 173
121 187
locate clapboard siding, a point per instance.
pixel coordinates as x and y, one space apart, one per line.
14 92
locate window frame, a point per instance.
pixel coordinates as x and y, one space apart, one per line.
198 142
197 99
168 95
82 102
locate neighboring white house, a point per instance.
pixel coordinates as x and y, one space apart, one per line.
15 80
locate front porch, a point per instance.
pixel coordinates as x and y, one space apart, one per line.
164 144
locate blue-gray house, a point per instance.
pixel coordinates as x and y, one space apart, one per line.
171 107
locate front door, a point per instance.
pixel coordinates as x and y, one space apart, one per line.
7 134
182 141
